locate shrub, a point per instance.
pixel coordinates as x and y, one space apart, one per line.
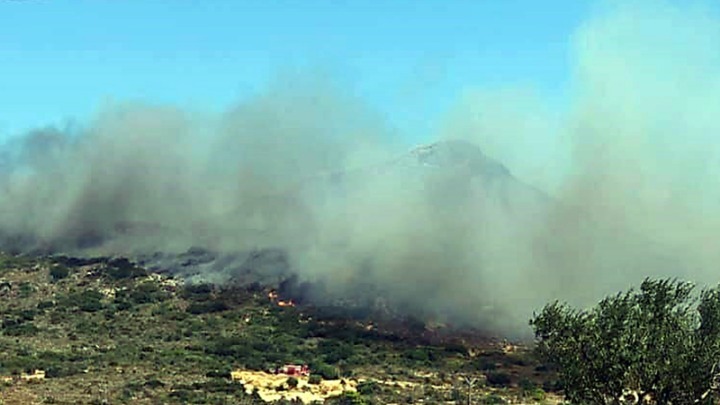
64 369
119 269
87 300
197 292
346 398
59 273
154 383
314 379
26 289
334 351
20 329
486 365
197 308
493 399
327 372
499 379
292 382
368 388
145 293
224 373
455 348
45 305
419 355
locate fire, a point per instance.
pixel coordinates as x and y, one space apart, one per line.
273 296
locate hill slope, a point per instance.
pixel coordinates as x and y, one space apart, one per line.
106 331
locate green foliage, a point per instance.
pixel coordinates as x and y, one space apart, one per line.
455 348
87 300
485 365
206 307
122 269
499 379
346 398
292 382
198 292
654 340
143 293
196 336
368 388
59 272
327 372
529 389
11 262
42 305
335 351
26 289
18 327
493 399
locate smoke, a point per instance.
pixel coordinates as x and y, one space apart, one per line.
631 166
632 162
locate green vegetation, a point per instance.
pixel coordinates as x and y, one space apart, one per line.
153 340
145 340
59 272
660 341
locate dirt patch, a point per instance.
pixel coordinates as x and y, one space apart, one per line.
273 387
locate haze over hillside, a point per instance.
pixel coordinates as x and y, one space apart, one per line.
303 167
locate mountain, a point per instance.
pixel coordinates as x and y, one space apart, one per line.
442 232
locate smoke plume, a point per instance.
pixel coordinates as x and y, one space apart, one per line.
629 173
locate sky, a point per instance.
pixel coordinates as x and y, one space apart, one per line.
609 106
411 61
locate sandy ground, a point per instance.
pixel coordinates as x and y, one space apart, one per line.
267 385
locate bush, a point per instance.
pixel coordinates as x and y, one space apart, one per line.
59 273
292 382
45 305
314 379
655 340
87 301
346 398
20 329
26 289
493 399
368 388
327 372
499 379
144 293
197 292
485 365
334 351
197 308
225 373
418 355
455 348
120 269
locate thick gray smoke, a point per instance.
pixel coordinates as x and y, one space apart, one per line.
449 231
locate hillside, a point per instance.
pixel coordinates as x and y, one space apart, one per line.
107 331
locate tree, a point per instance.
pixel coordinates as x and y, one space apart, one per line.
660 341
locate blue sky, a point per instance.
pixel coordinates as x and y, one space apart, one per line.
411 60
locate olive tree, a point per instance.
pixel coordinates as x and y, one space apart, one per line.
661 342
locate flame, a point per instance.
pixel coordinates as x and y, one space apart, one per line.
273 296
